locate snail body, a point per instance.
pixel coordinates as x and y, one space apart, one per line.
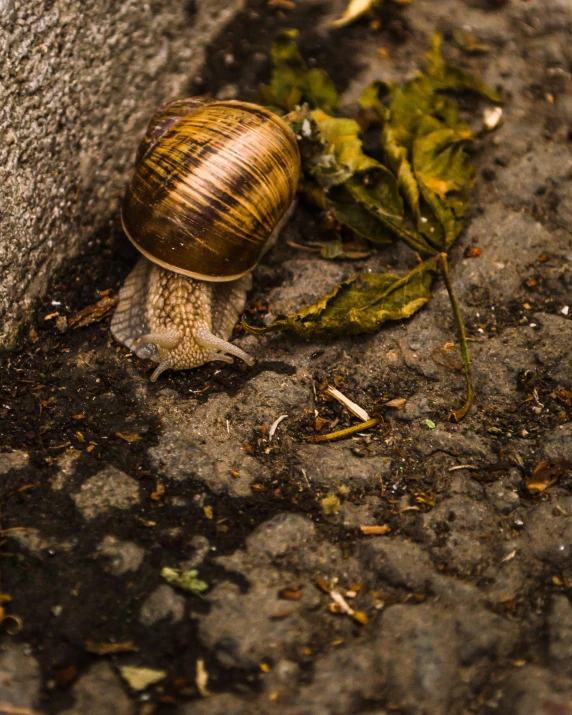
211 190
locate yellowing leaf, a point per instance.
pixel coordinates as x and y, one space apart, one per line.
355 10
343 135
360 305
439 187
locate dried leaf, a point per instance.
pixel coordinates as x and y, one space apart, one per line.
398 403
360 617
94 313
141 678
360 305
290 593
129 436
375 530
546 473
185 580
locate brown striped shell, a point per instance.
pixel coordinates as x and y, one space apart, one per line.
212 181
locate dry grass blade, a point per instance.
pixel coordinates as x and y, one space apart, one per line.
346 402
202 678
340 434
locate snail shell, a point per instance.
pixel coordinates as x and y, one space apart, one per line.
208 192
212 186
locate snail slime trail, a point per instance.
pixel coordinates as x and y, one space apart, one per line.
212 186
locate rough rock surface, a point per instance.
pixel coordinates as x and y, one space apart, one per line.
77 86
467 594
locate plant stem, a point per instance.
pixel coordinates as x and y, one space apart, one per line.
458 415
344 432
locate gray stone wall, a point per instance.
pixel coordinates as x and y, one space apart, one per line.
78 82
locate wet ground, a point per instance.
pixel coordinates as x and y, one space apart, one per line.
463 604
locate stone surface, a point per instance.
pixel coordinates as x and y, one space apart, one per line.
20 681
533 690
13 460
559 443
560 635
100 691
123 556
78 86
108 489
164 603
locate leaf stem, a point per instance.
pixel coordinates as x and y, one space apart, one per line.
345 432
458 415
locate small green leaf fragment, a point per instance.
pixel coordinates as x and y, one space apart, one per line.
430 424
185 580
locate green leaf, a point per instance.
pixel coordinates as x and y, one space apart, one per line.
446 176
370 194
292 82
424 142
185 580
348 212
396 159
343 136
373 95
357 218
360 305
444 77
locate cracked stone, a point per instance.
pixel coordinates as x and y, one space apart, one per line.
20 678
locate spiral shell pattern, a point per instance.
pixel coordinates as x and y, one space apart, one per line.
206 196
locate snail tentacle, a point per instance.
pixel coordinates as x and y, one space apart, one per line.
207 340
165 340
165 365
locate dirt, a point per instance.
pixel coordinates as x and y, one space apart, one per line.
467 595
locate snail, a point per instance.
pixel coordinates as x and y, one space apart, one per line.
212 188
